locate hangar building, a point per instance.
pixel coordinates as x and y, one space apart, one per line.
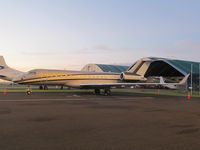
104 68
171 69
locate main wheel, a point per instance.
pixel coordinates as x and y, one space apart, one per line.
97 91
45 87
41 87
107 92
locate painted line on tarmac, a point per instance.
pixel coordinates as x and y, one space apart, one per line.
39 100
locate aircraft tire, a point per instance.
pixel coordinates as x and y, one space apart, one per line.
97 91
107 92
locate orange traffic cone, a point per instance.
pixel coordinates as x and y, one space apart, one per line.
158 91
188 97
4 92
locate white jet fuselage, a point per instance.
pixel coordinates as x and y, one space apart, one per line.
66 78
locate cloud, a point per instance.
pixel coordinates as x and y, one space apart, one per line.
122 63
37 53
189 44
102 47
94 49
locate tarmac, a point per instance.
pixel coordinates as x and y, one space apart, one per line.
84 121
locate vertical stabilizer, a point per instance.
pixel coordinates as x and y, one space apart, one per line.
7 73
2 62
162 80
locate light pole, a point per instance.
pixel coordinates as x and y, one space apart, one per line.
199 79
191 85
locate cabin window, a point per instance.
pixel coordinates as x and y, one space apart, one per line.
1 67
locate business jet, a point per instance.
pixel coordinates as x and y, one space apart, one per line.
76 79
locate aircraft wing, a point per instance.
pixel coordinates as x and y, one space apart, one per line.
119 85
162 83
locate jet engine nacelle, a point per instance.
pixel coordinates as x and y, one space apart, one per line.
127 76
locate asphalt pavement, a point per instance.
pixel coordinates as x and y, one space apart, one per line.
84 121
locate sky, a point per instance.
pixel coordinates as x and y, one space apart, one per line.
68 34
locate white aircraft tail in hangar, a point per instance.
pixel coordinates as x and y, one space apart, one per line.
75 79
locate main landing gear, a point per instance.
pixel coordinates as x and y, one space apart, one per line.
106 92
45 87
97 91
41 87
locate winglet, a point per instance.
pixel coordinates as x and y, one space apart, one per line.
184 80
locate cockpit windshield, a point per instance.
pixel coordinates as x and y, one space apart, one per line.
32 72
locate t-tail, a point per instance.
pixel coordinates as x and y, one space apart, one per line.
7 73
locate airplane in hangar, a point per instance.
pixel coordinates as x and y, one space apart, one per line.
79 79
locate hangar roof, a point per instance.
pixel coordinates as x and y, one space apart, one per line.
104 68
112 68
181 65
